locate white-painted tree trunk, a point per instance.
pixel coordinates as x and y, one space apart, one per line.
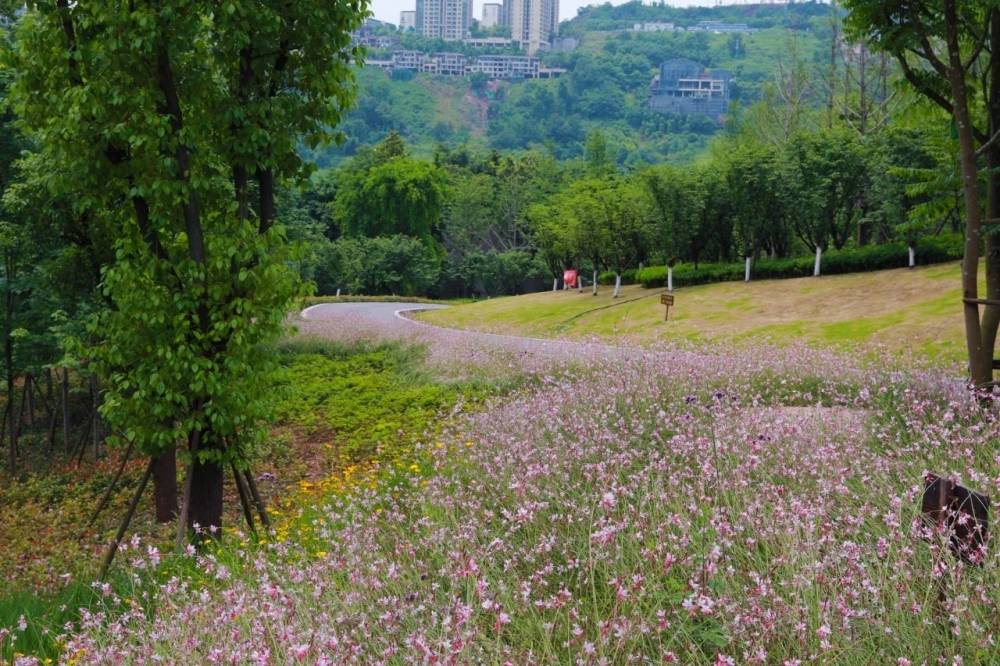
338 292
670 278
618 285
746 271
819 260
913 257
595 283
579 283
555 284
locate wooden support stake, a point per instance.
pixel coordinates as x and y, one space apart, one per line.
110 556
111 488
255 494
186 498
244 497
82 442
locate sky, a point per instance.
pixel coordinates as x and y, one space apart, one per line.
388 10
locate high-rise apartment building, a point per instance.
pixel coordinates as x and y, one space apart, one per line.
491 14
533 23
407 20
444 19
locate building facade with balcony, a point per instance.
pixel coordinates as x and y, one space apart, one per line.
686 87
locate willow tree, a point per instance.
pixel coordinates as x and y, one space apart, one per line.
177 120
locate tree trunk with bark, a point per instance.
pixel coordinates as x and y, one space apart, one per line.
980 363
206 497
165 485
991 313
65 409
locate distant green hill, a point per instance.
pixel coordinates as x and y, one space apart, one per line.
606 88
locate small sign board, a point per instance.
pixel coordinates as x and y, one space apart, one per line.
962 512
666 300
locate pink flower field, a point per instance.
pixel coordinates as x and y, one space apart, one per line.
748 507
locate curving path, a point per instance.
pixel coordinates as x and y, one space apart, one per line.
375 320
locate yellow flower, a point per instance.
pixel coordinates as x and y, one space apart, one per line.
414 467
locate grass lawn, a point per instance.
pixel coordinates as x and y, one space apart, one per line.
903 310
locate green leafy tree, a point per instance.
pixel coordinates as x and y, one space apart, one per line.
179 137
949 52
678 199
824 185
550 227
400 195
398 265
754 186
629 223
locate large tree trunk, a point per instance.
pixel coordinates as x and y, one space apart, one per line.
206 497
29 396
165 486
8 355
980 363
991 314
819 260
205 509
618 285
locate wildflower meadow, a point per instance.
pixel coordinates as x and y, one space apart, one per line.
609 506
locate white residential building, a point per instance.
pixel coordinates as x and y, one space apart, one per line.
457 64
533 23
653 26
491 14
444 19
407 20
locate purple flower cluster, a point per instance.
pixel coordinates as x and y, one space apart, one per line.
757 506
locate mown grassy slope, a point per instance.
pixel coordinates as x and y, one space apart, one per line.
901 310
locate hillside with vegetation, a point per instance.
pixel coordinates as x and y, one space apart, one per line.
606 87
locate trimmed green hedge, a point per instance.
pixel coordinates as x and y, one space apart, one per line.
932 250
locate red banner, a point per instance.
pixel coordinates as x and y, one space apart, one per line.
569 277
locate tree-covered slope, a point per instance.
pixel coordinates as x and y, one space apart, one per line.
606 86
424 109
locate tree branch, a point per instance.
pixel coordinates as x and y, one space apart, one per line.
172 107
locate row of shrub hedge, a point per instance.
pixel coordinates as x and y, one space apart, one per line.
931 250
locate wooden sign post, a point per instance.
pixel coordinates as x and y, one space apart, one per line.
666 300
